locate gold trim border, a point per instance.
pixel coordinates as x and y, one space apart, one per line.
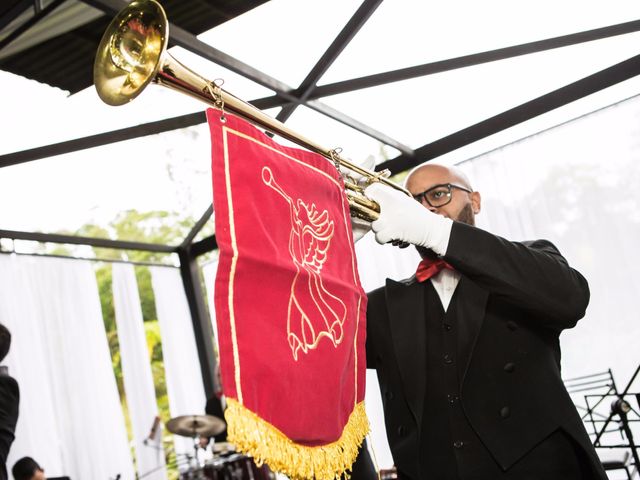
234 262
266 444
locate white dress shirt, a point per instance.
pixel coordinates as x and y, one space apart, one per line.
445 281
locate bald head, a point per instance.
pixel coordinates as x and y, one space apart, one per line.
434 170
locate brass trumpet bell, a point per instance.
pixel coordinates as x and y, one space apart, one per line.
130 52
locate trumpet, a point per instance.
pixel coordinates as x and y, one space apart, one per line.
133 53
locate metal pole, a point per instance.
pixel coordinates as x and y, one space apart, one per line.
200 319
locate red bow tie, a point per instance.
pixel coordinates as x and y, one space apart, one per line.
428 267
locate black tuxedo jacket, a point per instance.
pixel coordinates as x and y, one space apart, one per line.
9 399
514 299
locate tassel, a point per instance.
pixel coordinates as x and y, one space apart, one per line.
266 444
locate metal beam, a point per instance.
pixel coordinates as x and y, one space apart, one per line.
360 127
205 245
94 242
14 12
100 139
166 125
202 329
197 227
353 26
586 86
30 23
383 78
87 259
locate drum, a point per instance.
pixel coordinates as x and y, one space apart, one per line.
235 467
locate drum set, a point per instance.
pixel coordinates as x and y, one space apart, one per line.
214 460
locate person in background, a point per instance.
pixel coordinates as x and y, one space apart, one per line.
27 469
9 401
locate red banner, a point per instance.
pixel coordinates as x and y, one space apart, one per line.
289 305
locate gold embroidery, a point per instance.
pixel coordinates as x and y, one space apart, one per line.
314 312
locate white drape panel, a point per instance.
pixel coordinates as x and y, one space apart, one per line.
578 185
136 373
376 263
182 366
70 416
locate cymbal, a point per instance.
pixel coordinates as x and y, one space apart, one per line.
196 425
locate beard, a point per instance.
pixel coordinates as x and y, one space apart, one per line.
466 215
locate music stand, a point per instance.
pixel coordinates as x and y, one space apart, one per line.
621 408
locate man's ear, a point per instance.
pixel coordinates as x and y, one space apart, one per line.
476 201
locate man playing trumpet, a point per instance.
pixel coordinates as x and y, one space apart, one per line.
467 350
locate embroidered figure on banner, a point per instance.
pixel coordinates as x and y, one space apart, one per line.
313 312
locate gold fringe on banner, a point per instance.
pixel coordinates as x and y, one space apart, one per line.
266 444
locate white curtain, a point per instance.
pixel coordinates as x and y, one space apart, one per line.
578 185
136 373
70 416
376 263
182 366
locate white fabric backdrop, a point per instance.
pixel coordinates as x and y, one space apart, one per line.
182 366
70 416
578 185
136 373
376 263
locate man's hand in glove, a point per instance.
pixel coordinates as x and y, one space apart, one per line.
403 219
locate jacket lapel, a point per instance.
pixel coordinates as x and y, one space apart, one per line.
405 302
471 311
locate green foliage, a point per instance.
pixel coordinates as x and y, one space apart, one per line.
157 226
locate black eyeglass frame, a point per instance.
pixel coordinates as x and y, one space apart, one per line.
422 196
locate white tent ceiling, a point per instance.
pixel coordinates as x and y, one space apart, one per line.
284 39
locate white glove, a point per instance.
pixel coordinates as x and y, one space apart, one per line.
404 219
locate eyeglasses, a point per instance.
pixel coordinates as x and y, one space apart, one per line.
439 195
